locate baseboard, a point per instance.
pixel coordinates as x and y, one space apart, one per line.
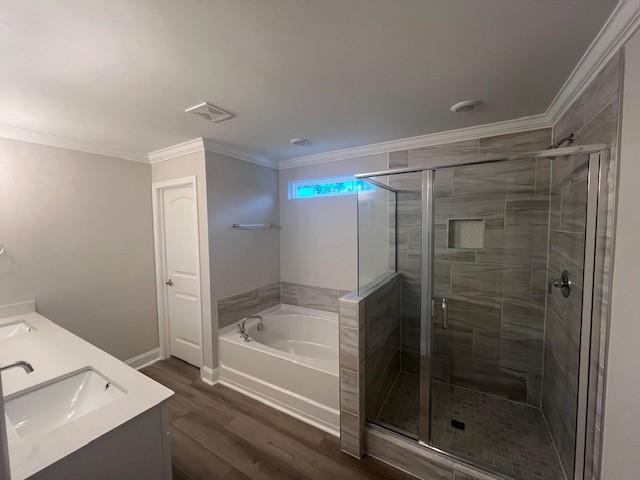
209 375
144 359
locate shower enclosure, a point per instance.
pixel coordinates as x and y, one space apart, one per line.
483 353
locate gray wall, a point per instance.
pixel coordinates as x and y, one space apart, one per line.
78 235
244 264
318 241
622 407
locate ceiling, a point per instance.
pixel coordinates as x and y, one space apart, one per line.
118 74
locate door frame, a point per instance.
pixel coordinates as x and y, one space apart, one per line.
157 189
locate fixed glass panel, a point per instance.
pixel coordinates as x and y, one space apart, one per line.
505 345
393 308
376 232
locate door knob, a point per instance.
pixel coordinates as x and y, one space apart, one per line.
169 282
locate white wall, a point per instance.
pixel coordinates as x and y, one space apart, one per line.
241 192
193 165
78 236
318 241
622 404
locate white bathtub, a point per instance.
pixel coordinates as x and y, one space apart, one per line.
291 364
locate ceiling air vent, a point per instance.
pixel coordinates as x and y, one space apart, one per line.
210 112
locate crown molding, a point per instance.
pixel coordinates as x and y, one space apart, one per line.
184 148
523 124
213 146
621 24
50 140
201 145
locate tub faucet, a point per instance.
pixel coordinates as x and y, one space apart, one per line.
243 331
26 366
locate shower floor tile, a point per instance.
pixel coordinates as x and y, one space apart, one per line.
500 435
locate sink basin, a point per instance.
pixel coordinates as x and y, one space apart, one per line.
15 329
60 402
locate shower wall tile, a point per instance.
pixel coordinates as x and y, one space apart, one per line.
599 129
352 374
543 176
350 343
311 297
516 176
527 210
367 370
478 282
594 118
269 296
522 320
349 391
602 91
233 309
515 245
399 159
494 340
236 307
573 213
439 155
382 367
571 120
521 142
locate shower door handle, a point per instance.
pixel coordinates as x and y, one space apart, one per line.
445 313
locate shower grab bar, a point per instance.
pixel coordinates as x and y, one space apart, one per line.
255 226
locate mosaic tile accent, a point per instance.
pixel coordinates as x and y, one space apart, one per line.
503 436
507 437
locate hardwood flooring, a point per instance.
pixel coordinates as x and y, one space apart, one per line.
218 433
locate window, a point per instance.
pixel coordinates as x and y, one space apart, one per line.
327 187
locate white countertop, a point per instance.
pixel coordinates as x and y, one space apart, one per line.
54 352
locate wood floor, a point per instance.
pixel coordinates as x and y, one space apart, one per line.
218 433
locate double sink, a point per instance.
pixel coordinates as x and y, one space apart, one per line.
48 406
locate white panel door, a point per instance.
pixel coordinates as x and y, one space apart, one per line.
181 268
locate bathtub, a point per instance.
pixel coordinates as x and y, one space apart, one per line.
291 364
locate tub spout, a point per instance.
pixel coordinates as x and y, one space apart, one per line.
242 328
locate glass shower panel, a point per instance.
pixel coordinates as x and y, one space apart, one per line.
376 232
393 309
495 401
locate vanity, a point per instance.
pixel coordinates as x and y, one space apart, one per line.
74 411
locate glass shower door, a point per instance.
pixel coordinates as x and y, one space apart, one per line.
389 259
504 347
